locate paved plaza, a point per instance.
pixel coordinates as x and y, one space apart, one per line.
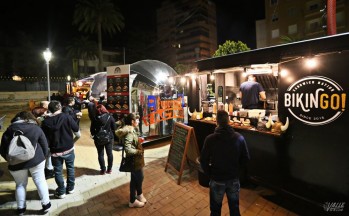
109 194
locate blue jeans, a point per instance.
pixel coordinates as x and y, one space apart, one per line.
21 179
136 184
109 150
57 163
217 191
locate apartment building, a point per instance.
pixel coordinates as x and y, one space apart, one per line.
298 20
186 31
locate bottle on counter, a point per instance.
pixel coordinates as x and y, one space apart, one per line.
226 107
230 108
214 107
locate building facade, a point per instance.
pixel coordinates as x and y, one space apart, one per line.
186 31
295 20
111 57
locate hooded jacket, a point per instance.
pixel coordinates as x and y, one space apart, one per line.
132 146
37 137
59 132
100 121
223 153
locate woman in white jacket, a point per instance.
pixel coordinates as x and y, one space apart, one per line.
133 147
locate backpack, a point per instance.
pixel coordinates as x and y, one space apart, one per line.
20 149
102 137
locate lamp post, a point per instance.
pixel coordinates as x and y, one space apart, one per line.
47 57
69 78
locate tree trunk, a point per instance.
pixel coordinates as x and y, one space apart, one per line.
85 67
100 55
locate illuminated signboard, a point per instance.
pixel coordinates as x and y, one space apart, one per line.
315 100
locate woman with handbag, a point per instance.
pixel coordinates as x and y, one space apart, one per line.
106 123
133 148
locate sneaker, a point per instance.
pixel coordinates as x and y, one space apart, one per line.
47 207
136 204
108 171
102 172
70 191
141 198
21 211
49 173
60 196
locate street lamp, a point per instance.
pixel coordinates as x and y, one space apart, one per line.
47 57
69 78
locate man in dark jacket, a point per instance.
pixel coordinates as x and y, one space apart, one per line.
222 155
59 129
71 110
91 108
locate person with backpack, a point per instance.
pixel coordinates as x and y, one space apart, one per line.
60 129
23 129
102 130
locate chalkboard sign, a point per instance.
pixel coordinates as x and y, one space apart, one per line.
183 148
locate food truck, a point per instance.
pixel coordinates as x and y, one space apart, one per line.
144 88
298 143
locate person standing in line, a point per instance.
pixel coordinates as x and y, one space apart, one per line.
101 99
250 92
40 114
105 120
223 154
59 129
91 108
133 147
70 110
78 101
27 123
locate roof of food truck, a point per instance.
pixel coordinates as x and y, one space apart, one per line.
148 71
279 53
152 71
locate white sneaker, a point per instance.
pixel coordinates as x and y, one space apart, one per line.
136 204
141 198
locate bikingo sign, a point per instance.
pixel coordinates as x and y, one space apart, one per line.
315 100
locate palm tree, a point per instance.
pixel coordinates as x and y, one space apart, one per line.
82 48
95 16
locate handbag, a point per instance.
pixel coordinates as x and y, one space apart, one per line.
127 162
103 136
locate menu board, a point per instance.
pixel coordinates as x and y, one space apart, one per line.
183 148
118 99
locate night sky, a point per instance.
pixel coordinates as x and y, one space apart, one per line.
48 23
53 19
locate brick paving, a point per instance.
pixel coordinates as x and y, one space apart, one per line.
166 197
109 194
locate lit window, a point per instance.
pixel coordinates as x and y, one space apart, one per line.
275 33
292 29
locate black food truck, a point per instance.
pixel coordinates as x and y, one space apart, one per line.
299 143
